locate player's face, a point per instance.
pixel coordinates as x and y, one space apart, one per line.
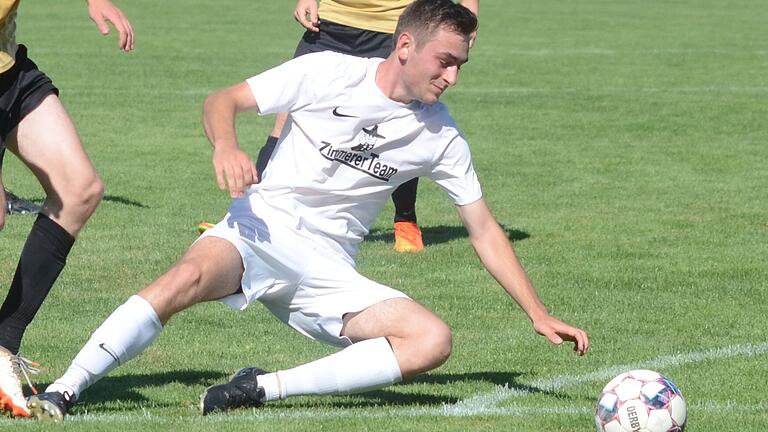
434 66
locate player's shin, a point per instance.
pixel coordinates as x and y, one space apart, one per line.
363 366
130 329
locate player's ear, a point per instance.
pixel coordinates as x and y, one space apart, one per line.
404 45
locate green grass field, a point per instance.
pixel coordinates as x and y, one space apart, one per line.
622 145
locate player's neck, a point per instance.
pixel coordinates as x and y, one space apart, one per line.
388 80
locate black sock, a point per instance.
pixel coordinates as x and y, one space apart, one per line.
264 154
404 198
42 259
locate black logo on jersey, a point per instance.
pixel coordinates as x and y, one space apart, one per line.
360 156
364 162
338 114
368 140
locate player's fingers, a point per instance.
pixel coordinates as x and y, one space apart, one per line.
580 341
129 38
314 20
236 182
124 29
122 40
584 342
101 24
220 178
230 177
301 18
251 168
554 337
247 176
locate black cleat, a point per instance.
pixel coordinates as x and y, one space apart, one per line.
16 205
242 390
50 405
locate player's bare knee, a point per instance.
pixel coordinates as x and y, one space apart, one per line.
186 276
92 194
430 347
79 198
175 290
438 342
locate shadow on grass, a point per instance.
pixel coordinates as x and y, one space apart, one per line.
124 388
122 200
411 393
440 234
392 398
107 198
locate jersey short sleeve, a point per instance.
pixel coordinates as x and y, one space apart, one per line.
297 83
454 173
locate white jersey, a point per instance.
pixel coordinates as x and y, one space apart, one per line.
346 147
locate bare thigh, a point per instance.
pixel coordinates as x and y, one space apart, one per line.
47 142
211 269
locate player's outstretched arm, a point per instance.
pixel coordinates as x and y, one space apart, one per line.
235 170
306 14
102 11
497 255
474 6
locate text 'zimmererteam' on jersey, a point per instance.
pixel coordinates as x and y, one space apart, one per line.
362 161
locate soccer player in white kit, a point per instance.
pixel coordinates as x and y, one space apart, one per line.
357 129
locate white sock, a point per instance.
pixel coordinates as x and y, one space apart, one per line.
122 336
360 367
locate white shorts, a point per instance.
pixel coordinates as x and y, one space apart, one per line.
301 281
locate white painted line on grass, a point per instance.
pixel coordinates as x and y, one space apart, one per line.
481 403
485 404
507 411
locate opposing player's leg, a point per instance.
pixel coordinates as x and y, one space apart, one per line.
407 233
211 269
17 205
46 141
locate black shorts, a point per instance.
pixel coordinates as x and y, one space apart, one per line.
346 40
22 88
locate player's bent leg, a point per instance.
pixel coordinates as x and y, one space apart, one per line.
360 367
210 270
420 340
47 142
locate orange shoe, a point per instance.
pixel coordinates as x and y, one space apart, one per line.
204 226
408 237
12 399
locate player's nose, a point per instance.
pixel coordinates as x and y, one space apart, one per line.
451 75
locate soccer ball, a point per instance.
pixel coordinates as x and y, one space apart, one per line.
640 401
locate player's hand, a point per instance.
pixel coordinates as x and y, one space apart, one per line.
306 14
235 170
558 332
102 11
